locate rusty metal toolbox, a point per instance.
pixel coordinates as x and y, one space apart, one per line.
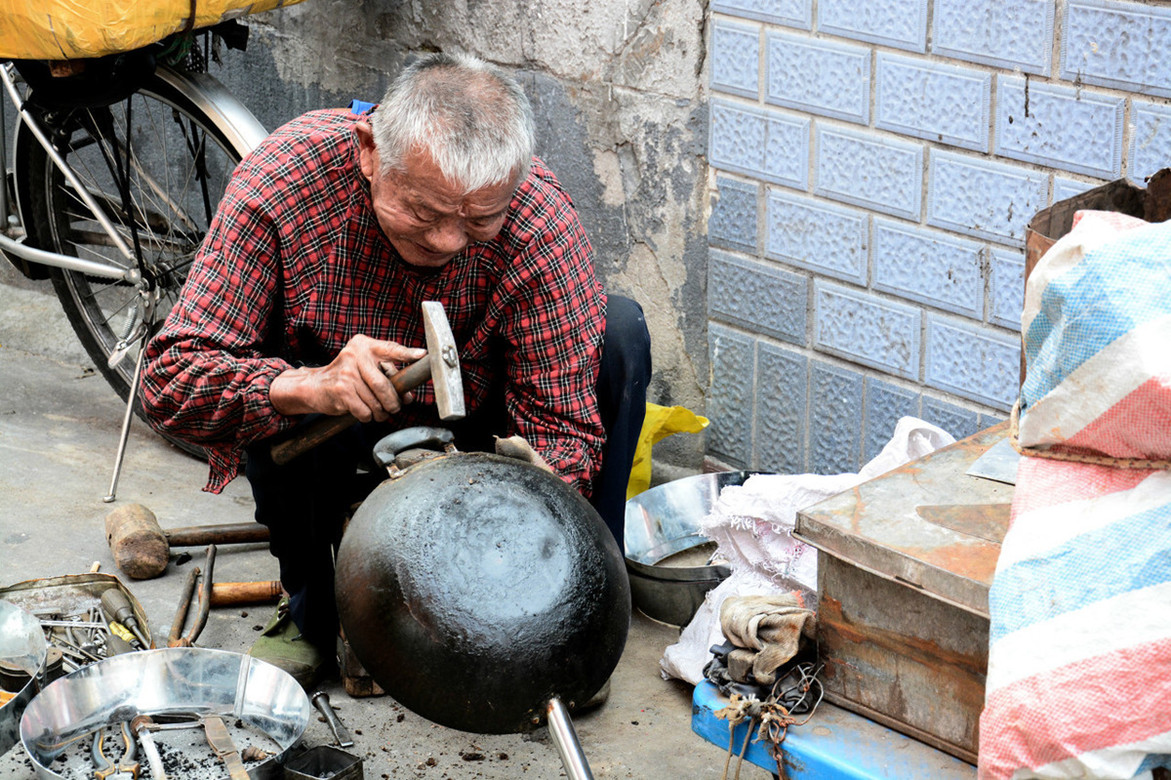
905 561
73 594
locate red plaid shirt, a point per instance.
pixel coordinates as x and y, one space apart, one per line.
295 264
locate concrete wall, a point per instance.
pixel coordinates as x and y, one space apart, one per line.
622 119
876 165
872 168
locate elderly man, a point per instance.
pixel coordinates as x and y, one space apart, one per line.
310 283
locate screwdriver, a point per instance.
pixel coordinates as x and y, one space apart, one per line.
118 607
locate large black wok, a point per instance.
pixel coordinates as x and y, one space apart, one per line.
483 593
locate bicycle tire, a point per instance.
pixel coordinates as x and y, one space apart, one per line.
169 127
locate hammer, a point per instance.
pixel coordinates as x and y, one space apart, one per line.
440 365
141 547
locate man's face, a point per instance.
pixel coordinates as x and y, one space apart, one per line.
426 218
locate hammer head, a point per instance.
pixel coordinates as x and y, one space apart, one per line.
444 360
137 542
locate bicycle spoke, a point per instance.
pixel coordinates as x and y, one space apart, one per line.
155 186
160 190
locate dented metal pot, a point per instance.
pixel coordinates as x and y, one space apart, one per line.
476 588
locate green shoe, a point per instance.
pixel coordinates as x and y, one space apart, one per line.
281 644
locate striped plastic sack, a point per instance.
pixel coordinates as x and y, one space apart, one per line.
1079 669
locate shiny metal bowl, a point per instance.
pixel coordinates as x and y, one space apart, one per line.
663 545
22 655
169 681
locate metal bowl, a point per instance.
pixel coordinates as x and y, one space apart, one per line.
169 681
22 655
661 525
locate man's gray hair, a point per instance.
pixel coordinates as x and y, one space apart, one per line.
472 118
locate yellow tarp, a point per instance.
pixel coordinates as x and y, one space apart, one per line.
76 29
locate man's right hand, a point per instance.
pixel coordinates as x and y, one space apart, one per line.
355 382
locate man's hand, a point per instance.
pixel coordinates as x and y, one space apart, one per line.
355 382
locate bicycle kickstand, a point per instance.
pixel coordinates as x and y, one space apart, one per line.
140 336
125 434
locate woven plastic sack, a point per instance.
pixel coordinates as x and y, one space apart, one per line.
752 526
1079 671
77 29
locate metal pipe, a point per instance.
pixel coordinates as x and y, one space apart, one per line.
88 267
565 738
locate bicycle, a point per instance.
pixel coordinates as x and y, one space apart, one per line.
117 168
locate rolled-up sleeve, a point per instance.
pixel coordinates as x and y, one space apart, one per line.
553 326
205 376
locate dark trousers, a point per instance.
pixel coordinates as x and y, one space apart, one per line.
305 502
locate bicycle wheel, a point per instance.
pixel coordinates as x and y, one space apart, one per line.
156 165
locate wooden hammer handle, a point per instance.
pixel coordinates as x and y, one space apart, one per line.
220 533
226 594
327 427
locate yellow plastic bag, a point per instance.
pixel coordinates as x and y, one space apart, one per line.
659 423
77 29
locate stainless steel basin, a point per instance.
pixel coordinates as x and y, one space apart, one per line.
663 540
189 680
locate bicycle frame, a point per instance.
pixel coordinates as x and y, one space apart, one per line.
230 115
231 119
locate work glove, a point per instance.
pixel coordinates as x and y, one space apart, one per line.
516 447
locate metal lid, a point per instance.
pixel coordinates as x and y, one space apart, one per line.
926 524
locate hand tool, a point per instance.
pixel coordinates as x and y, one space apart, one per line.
441 366
223 594
141 727
223 746
144 726
228 594
320 700
117 606
125 768
175 639
141 547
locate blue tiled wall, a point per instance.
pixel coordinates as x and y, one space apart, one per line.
875 167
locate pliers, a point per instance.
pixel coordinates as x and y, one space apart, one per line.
125 768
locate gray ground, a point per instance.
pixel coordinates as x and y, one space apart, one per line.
59 426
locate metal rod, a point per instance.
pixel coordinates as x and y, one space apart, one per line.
565 738
157 772
204 598
174 638
4 223
74 624
126 424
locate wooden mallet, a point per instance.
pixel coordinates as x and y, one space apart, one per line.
141 548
